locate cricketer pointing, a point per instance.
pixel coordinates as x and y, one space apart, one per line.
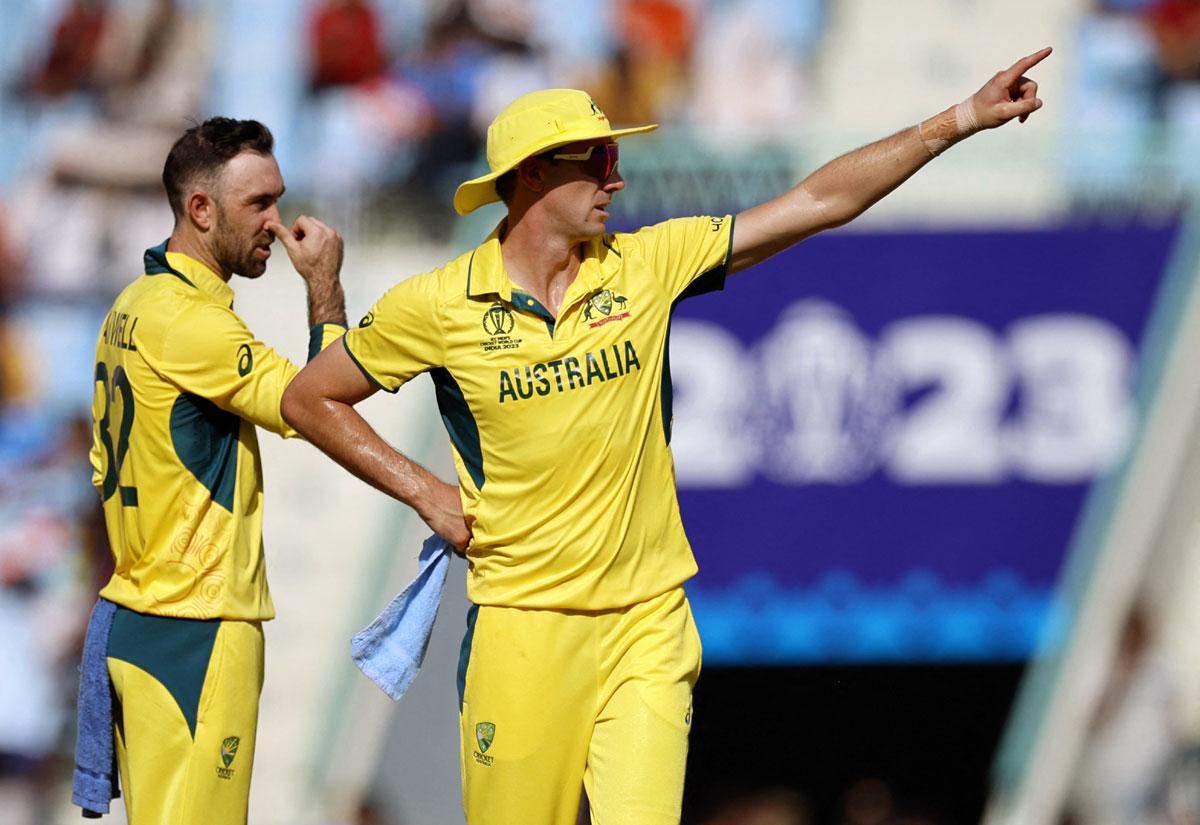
547 345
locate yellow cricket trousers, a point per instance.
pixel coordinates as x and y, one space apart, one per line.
186 714
556 701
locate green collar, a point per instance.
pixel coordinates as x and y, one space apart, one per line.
187 269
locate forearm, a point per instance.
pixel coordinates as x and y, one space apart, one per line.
848 185
833 195
844 188
326 301
852 183
340 432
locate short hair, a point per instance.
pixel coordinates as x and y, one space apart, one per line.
204 149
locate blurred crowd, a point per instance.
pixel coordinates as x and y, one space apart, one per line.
366 99
385 105
53 557
1136 98
382 107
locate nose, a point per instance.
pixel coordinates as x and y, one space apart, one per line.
615 182
272 214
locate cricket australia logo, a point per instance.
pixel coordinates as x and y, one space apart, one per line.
597 111
498 322
485 733
604 302
229 749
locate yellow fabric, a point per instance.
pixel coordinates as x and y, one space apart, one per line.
529 125
564 700
181 383
166 776
569 485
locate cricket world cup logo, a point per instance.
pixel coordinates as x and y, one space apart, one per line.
498 320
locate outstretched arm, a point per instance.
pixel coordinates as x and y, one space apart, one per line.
319 403
847 186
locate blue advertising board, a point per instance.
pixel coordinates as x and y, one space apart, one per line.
883 441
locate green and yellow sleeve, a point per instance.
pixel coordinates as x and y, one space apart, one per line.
401 336
690 255
211 353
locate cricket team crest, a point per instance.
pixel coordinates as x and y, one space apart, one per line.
604 302
229 749
485 732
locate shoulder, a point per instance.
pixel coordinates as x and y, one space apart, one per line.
201 328
642 237
162 306
426 291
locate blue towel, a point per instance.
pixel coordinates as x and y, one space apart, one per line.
390 649
95 781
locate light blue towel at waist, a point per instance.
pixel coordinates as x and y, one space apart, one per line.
94 784
390 649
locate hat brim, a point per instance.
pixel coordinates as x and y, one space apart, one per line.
476 192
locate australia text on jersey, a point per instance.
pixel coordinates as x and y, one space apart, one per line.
568 373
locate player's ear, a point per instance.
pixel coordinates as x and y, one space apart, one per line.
529 175
201 210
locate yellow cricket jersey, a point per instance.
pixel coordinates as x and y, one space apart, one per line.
560 426
180 384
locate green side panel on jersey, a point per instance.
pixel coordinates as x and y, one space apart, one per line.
460 423
206 439
711 281
666 404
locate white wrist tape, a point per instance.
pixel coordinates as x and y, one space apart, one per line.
935 146
965 119
965 123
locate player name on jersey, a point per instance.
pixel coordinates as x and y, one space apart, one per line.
118 331
568 373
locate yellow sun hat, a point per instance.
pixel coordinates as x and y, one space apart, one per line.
530 125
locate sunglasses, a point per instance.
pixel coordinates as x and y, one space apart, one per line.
599 165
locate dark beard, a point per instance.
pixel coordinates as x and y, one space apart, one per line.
231 255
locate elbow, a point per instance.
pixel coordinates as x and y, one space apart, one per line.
292 406
815 210
839 211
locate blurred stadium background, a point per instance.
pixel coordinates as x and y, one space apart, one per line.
939 468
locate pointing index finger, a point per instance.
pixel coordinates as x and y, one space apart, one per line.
1026 63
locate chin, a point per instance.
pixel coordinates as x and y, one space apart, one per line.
252 271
